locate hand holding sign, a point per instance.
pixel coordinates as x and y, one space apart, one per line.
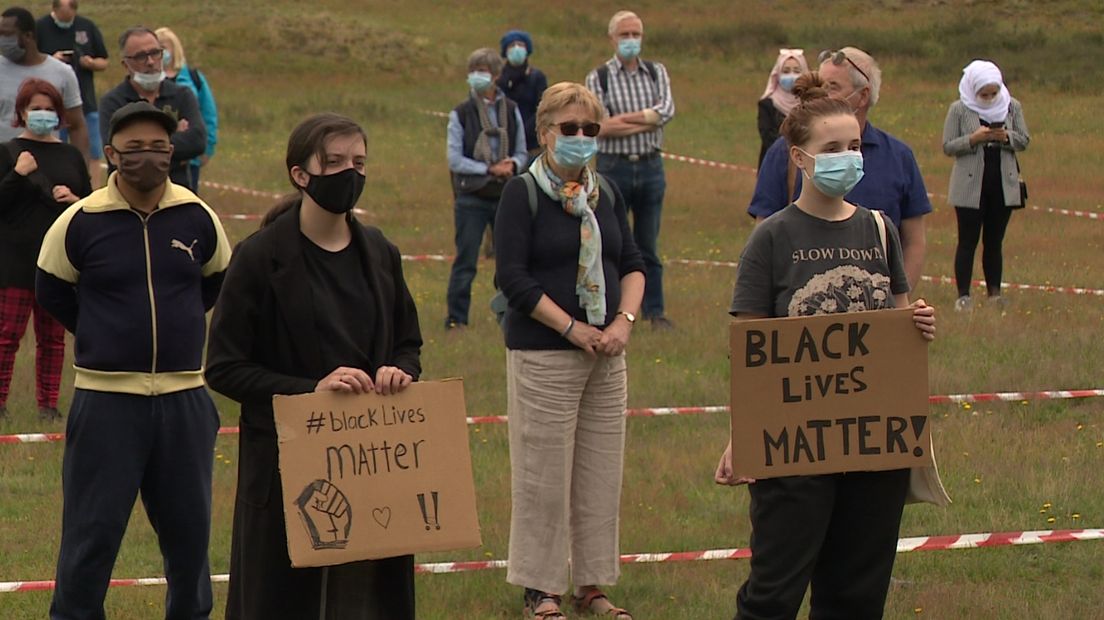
724 474
924 317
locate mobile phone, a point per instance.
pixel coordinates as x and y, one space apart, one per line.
66 52
996 125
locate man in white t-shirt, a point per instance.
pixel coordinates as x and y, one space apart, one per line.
20 60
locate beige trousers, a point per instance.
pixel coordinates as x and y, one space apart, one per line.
567 447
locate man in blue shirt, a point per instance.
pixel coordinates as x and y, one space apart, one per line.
892 183
486 147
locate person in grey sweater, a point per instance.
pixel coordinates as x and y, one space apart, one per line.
984 129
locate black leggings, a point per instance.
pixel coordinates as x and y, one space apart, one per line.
989 223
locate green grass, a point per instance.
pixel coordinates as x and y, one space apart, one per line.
272 63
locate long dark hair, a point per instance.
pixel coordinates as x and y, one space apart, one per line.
309 139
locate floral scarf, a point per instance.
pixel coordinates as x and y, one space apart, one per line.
580 200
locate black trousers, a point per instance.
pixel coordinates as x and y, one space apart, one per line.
115 446
836 532
988 223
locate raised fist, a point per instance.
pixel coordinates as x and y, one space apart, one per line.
326 514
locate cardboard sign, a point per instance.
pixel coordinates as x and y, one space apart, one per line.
830 393
367 476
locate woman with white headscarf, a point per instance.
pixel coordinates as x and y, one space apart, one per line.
984 129
778 98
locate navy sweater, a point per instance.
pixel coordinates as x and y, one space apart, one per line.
539 254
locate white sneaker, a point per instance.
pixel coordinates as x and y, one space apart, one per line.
964 304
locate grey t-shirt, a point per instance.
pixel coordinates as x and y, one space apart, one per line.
796 264
13 75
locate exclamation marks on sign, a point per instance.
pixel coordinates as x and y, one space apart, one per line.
431 522
918 424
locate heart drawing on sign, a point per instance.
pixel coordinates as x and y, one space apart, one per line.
382 516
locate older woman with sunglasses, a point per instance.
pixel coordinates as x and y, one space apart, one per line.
574 280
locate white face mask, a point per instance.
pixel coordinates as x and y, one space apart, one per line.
148 81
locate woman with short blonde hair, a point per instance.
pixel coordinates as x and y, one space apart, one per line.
573 279
176 69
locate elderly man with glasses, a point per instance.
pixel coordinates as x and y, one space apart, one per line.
891 184
142 58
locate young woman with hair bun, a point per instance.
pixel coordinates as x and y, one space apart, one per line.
835 532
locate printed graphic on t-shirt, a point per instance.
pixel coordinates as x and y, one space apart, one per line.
846 288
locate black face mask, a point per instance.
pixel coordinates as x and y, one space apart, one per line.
144 170
338 192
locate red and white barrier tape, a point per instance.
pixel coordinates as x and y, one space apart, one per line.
1046 288
649 412
1089 214
707 162
904 545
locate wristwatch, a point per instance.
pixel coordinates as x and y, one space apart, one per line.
629 316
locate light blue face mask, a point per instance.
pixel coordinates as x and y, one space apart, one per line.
479 80
787 80
835 174
517 55
63 25
574 151
42 122
628 49
166 58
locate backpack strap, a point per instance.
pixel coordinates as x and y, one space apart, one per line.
531 189
879 219
603 77
604 186
649 66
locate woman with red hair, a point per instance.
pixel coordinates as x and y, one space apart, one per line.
39 177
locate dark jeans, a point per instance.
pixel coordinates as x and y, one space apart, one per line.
195 176
837 532
642 184
117 445
473 215
989 223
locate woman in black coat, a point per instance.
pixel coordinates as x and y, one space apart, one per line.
313 301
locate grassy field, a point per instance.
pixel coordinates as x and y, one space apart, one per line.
1011 466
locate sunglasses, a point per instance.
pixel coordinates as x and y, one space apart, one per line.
571 128
837 57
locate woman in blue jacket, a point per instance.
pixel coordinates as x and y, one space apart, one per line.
177 70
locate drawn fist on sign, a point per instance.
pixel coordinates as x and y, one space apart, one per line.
326 513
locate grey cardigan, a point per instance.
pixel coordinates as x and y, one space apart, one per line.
965 190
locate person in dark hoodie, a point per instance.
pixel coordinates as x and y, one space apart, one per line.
522 83
142 58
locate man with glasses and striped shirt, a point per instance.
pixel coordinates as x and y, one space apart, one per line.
637 95
891 182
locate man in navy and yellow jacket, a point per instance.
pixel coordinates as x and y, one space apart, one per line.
132 270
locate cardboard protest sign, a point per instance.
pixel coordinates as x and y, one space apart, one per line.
368 476
829 393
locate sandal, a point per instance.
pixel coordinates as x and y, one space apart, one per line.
585 605
542 605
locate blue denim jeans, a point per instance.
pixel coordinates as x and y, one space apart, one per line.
642 184
473 215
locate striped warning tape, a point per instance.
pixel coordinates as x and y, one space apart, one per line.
904 545
1046 288
649 412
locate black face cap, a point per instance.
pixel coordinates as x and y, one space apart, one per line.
139 110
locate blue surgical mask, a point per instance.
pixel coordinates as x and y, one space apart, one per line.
479 80
787 80
148 81
166 58
574 151
835 174
517 55
628 49
63 25
42 122
11 49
